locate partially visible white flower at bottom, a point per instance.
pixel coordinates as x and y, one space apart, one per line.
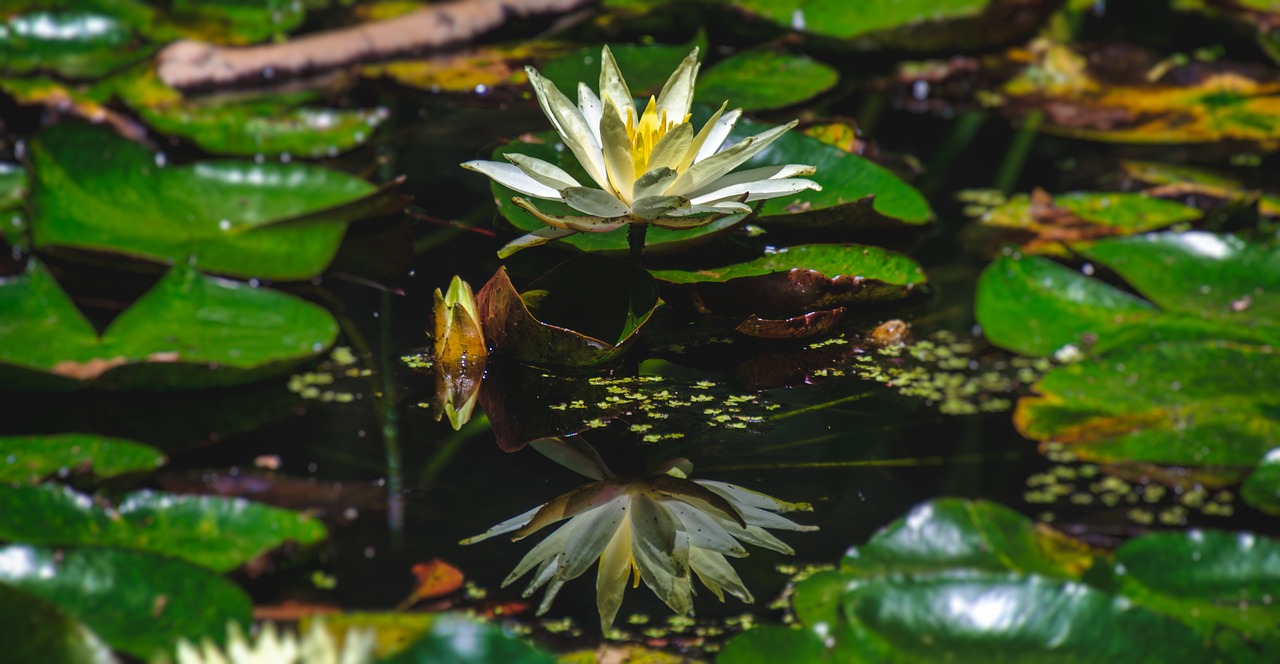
275 647
662 529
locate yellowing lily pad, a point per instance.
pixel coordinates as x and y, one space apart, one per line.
188 331
798 279
473 71
1178 181
95 191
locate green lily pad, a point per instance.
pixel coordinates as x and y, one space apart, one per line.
1197 285
1214 581
32 458
188 331
1174 403
774 643
139 603
210 531
584 313
800 278
658 240
463 640
1262 488
909 24
856 193
74 44
266 125
232 21
1046 224
759 80
96 191
33 630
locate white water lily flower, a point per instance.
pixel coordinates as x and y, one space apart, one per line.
275 647
655 529
646 168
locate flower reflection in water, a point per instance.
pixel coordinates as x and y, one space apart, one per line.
657 528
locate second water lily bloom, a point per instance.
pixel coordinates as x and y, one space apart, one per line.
645 167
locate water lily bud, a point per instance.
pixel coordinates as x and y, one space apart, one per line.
459 339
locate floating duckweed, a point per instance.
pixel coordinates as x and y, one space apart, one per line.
641 428
560 626
420 361
1174 516
833 341
597 423
473 591
1141 516
342 356
638 619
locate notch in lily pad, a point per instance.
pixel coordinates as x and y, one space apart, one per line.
582 314
797 280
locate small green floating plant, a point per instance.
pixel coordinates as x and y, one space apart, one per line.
650 167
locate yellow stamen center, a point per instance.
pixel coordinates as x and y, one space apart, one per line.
646 133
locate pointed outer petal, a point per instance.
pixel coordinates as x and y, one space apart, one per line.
654 183
708 170
755 175
544 554
595 202
582 499
619 163
717 574
704 135
543 172
612 86
677 93
671 148
719 209
758 191
688 490
661 552
656 206
510 176
680 223
507 526
570 124
538 237
611 580
705 531
757 536
587 542
717 133
571 223
743 496
591 108
573 453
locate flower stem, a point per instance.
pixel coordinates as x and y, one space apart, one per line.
635 240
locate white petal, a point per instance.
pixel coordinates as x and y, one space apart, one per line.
570 124
620 165
657 206
612 86
746 497
671 148
701 138
717 574
548 549
591 108
534 239
721 208
572 223
510 176
594 202
514 523
654 183
677 92
716 135
707 170
587 542
611 580
755 175
705 532
573 453
757 191
543 172
661 553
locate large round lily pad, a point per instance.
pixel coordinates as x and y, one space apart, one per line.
1262 488
188 331
761 79
33 630
73 44
139 603
584 313
211 531
96 191
797 279
31 458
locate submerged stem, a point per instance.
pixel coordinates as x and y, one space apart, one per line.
635 240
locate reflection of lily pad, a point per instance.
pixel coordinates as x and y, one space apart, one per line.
798 279
210 531
958 580
1188 403
94 190
266 125
188 331
31 458
74 44
1197 285
1042 223
114 592
758 79
34 630
812 324
583 313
